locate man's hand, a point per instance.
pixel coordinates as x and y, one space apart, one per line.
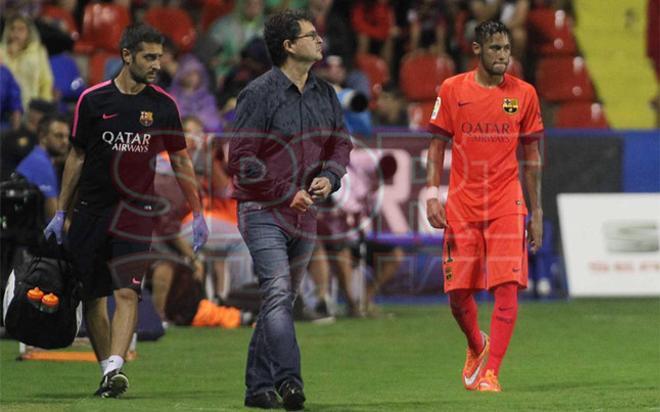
200 231
435 213
55 227
535 231
301 201
320 188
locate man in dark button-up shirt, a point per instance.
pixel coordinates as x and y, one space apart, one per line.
289 150
284 137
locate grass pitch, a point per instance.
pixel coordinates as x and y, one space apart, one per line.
564 356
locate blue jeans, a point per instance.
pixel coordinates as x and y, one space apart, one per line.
279 260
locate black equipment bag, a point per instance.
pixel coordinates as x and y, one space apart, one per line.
28 322
21 211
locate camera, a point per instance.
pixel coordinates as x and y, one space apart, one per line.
352 100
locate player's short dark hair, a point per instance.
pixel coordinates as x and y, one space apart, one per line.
138 33
485 30
280 27
42 106
47 120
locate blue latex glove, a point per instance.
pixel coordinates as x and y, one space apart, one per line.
56 226
200 231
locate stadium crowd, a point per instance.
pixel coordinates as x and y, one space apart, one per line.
384 58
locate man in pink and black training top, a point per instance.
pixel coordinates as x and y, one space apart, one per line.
119 128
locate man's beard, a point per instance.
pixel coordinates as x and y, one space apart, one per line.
490 70
53 153
138 78
58 158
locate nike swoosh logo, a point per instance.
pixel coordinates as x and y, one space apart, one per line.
135 281
109 116
461 104
469 380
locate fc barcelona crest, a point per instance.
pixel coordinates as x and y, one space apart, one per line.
147 118
510 106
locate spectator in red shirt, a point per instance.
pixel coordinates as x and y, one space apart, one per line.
374 23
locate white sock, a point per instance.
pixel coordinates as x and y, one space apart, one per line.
114 362
103 364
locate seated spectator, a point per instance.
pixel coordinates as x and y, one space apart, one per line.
190 88
469 15
177 282
355 102
375 24
220 50
42 166
357 198
335 70
334 255
428 26
338 40
254 62
16 144
22 52
60 14
184 302
391 107
173 254
169 64
227 256
11 108
69 83
514 13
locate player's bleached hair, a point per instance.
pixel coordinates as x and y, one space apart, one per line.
280 27
486 29
138 33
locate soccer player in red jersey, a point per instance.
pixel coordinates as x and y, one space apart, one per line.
486 114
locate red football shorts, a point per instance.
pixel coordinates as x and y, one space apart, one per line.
481 255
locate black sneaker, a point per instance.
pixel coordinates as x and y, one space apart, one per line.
293 397
103 388
322 308
263 400
112 385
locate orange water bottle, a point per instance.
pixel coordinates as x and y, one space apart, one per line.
50 303
35 295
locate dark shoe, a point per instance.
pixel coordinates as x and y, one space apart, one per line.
103 388
264 400
306 314
354 311
323 308
293 397
112 385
